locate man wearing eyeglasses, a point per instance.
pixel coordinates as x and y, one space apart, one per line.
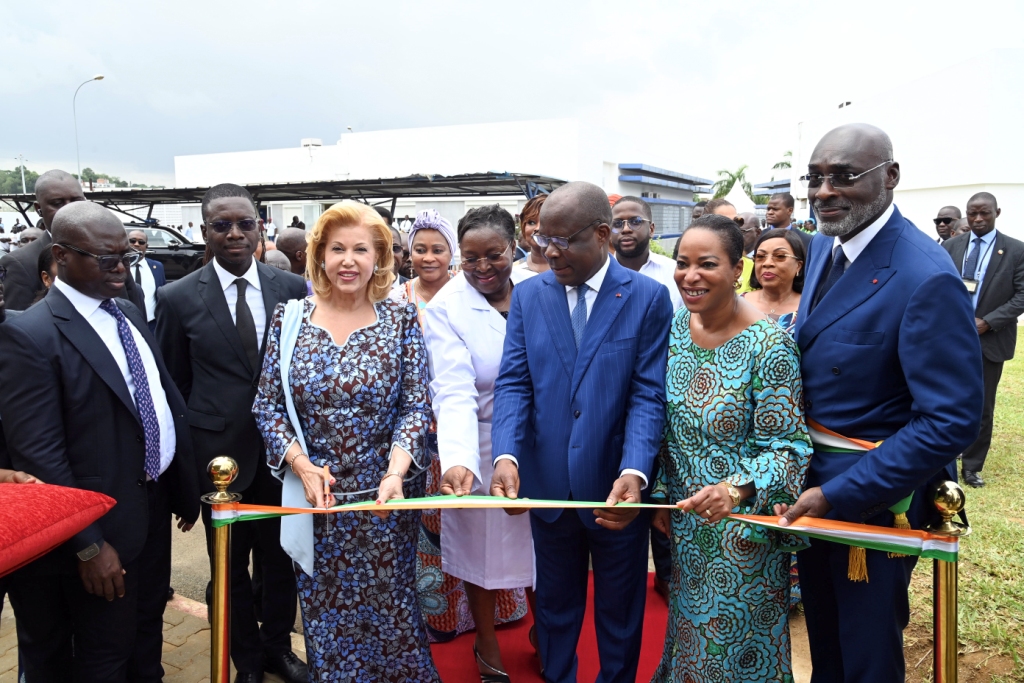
88 403
582 420
878 294
148 275
632 227
212 326
945 221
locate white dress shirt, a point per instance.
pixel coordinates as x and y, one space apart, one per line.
148 287
986 246
106 328
663 269
253 297
854 246
572 295
187 232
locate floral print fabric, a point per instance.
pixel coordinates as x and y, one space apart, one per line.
734 414
360 610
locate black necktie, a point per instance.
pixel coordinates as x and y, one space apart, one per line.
971 264
835 272
246 325
138 274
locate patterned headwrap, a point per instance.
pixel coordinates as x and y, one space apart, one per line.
432 220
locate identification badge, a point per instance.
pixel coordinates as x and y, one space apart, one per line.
971 285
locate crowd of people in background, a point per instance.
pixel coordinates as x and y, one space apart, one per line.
554 355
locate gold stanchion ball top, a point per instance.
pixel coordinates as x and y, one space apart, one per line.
949 498
222 470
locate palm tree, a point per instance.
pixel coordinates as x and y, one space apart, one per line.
727 179
787 161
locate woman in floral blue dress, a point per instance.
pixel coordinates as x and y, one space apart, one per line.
358 383
735 441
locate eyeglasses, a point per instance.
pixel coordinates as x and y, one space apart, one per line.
778 256
945 220
635 222
494 259
560 242
245 225
837 179
108 262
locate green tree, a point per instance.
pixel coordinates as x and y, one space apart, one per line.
727 179
787 161
10 181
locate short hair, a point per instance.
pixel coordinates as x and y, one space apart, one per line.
44 262
715 203
984 196
277 259
223 191
956 209
786 198
385 214
702 203
727 232
490 216
345 214
795 243
644 206
530 210
53 175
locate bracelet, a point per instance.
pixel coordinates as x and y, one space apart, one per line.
734 493
291 464
392 474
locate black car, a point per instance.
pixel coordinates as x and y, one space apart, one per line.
168 246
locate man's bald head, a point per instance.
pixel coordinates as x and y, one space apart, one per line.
55 189
292 243
580 197
862 136
580 214
83 220
85 237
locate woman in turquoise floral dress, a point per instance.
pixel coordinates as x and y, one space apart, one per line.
735 440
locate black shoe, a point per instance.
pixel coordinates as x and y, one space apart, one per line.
170 594
287 666
973 479
249 678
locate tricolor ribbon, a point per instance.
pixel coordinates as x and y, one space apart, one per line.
887 539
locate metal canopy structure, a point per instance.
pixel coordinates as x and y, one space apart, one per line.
380 191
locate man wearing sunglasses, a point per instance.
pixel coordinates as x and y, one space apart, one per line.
878 295
148 275
945 222
88 403
212 326
596 335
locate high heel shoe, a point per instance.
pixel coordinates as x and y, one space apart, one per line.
498 676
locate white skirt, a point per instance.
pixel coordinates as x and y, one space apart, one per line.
488 548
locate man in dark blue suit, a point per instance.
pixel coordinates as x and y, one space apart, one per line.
579 407
148 275
879 294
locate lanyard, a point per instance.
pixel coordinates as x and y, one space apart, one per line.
981 259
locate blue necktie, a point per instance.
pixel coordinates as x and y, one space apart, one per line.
143 399
579 314
834 273
971 264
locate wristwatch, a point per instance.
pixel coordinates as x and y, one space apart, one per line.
734 493
87 553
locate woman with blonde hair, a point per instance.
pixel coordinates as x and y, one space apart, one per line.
343 406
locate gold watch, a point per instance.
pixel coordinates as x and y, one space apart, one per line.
734 493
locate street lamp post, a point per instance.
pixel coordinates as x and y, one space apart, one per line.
74 113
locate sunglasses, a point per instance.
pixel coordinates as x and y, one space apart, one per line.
635 223
943 221
245 225
136 240
560 242
108 262
838 179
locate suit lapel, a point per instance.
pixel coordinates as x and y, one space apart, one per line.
555 308
820 256
611 298
83 337
995 262
271 290
213 296
864 277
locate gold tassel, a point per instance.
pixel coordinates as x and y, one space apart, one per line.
858 569
900 522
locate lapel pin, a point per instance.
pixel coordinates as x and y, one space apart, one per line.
618 295
874 282
1000 252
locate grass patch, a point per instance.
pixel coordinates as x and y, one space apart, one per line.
992 558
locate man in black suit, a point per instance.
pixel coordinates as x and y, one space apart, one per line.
88 403
945 222
779 216
212 325
992 266
54 189
147 274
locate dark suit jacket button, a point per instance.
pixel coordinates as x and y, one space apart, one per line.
835 371
141 482
576 414
139 438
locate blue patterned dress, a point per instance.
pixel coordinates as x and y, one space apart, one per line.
360 611
734 414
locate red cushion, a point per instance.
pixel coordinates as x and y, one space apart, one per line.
36 518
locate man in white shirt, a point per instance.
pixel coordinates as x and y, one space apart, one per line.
148 275
188 232
109 419
632 227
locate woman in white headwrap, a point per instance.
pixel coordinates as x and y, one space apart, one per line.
431 247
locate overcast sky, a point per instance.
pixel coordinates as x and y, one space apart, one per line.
716 84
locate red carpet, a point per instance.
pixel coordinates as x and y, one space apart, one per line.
455 662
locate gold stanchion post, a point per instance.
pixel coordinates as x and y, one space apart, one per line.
949 499
222 470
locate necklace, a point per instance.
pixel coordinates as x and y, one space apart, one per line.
760 296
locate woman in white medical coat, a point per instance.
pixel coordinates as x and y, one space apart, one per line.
465 332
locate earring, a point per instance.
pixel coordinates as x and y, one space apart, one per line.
323 265
376 268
